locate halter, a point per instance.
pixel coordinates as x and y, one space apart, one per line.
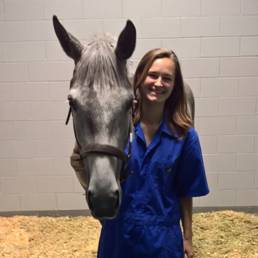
107 149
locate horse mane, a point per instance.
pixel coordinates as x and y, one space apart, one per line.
99 67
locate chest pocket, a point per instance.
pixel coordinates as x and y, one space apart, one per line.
164 174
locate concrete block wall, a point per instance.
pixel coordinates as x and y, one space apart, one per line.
217 43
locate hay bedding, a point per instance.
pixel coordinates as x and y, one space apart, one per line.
224 234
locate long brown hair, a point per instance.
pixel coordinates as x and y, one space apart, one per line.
175 106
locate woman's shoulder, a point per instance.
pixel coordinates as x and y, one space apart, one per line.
191 135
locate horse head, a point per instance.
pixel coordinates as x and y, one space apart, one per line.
100 99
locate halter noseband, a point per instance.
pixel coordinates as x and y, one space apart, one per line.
105 148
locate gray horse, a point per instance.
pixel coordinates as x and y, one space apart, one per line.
100 101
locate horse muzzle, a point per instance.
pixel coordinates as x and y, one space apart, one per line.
104 206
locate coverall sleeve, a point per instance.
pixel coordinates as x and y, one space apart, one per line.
190 178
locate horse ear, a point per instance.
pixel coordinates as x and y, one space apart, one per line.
71 46
126 41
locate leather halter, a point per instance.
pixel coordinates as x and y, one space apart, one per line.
105 148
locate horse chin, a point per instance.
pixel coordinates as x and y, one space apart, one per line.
103 215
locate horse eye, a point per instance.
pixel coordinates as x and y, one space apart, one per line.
71 101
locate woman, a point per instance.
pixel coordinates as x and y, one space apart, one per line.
167 167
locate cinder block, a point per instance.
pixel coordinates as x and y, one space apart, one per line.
54 184
212 125
61 165
18 10
18 185
160 28
250 7
200 26
237 106
247 125
6 91
220 46
239 66
30 91
8 167
209 144
41 167
200 67
206 106
71 201
134 8
81 29
239 25
77 186
31 130
35 167
211 163
55 52
51 71
115 26
22 31
219 198
7 149
58 91
58 148
249 46
212 179
195 85
64 9
220 7
183 47
247 162
1 10
247 86
29 51
13 72
14 110
9 202
47 110
236 144
220 163
38 202
144 45
102 9
181 8
1 52
247 197
17 149
7 131
236 181
218 87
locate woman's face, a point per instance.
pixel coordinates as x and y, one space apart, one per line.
159 81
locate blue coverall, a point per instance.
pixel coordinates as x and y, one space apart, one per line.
148 223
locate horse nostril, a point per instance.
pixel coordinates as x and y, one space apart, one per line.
117 198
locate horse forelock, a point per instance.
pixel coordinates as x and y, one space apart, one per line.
99 68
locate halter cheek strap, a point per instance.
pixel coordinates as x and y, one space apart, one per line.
68 116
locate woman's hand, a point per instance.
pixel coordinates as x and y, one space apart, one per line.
188 248
186 205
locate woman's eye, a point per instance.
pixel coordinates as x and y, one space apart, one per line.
153 75
167 79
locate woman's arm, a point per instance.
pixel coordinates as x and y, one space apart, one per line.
186 205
